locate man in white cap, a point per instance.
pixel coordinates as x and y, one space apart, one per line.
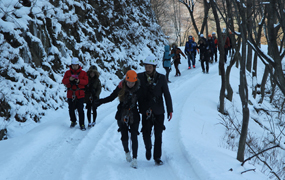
151 106
75 80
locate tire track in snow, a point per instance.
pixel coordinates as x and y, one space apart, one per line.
176 152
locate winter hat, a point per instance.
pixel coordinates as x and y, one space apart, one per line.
213 33
131 76
190 37
209 35
224 30
151 59
74 60
201 35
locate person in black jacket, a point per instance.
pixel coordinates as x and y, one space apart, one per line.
127 115
151 106
204 52
92 92
211 43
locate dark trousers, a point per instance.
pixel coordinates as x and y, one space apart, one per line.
167 69
158 124
226 54
203 61
72 106
124 129
191 58
90 106
176 68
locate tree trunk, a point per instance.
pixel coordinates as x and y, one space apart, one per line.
221 60
249 28
236 57
263 83
273 88
190 8
243 91
254 72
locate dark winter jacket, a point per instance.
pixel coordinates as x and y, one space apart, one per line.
216 43
128 105
227 40
190 47
177 51
72 86
211 43
152 94
93 88
204 47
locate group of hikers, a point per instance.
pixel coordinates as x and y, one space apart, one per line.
207 48
140 93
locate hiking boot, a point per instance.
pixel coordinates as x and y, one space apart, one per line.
134 163
93 124
193 66
203 71
82 127
72 124
158 162
89 125
128 156
189 67
148 154
169 81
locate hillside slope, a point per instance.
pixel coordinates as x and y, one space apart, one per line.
38 39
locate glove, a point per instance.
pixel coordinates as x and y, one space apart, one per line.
97 103
169 116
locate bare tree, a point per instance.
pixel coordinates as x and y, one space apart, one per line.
243 91
176 18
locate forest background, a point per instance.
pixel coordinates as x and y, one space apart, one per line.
248 23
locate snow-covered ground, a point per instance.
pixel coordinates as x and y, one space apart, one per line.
192 143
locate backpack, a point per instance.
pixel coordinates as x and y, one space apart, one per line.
166 62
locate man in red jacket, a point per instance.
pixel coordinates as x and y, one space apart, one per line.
75 80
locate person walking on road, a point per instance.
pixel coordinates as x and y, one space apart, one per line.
190 49
75 80
204 53
167 61
151 106
215 47
127 116
92 92
176 58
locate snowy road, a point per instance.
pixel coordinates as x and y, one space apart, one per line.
52 150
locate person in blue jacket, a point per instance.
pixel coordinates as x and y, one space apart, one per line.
190 48
167 61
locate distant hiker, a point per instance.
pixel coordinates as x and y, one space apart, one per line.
92 92
176 58
151 105
75 80
226 39
216 47
204 52
127 115
212 47
190 50
232 43
197 49
167 61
